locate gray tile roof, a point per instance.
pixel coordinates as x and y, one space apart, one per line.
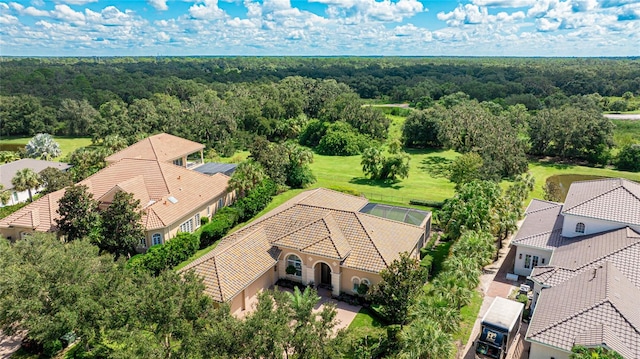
614 199
542 227
8 170
320 222
579 254
596 305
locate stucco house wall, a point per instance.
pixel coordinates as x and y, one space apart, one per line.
540 351
592 225
521 255
349 275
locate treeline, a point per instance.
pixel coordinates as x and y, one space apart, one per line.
398 79
502 137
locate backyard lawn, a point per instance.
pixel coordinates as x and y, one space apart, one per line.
67 144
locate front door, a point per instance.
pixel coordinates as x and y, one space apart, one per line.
325 274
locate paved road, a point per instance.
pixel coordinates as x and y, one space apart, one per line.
624 116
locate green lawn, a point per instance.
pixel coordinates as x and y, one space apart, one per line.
67 144
469 314
365 319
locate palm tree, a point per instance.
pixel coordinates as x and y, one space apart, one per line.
478 246
8 156
43 146
580 352
25 179
436 308
423 339
247 176
465 268
4 195
453 289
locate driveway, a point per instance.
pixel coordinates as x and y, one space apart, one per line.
493 283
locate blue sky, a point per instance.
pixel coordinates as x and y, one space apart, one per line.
320 27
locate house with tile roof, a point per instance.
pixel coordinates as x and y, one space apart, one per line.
583 257
172 198
163 147
323 236
9 170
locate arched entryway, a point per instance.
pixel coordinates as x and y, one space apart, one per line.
323 274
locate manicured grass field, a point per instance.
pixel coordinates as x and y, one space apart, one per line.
67 144
469 314
366 319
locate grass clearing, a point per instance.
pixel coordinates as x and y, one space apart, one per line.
626 132
67 144
365 319
469 314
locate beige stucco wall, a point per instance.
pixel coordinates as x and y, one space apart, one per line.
206 210
247 298
309 262
539 351
348 276
14 233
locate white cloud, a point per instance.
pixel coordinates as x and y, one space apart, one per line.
473 14
547 25
32 11
504 3
207 10
162 36
584 5
6 19
385 10
237 22
160 5
76 2
65 13
37 3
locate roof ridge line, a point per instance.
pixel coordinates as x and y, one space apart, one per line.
593 198
371 240
164 178
297 229
604 257
576 313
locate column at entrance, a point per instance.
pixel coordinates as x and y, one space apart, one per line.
335 283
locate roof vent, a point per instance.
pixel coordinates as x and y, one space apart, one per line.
172 199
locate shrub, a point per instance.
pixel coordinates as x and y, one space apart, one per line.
256 200
629 158
342 140
164 256
204 220
427 262
291 270
313 133
426 203
219 225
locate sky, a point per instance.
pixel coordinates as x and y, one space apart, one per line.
320 27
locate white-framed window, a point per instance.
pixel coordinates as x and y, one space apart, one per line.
143 242
15 196
187 226
356 284
294 260
208 211
197 218
178 162
527 261
156 238
580 227
535 261
220 203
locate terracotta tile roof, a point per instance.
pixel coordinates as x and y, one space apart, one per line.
361 241
598 304
9 170
542 227
613 199
38 215
162 147
237 265
150 181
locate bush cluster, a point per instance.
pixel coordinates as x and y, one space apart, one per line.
219 225
426 203
168 255
341 139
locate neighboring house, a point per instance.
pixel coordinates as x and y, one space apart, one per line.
172 198
212 168
323 234
9 170
583 257
163 147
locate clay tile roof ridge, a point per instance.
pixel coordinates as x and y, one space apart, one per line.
364 228
575 314
620 184
601 258
214 253
551 205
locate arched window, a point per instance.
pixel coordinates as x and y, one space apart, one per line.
156 238
580 227
356 284
295 262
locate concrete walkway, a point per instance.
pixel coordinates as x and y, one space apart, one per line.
10 344
493 283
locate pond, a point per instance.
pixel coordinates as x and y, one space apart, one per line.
558 185
13 147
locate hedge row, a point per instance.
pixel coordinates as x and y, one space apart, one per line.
426 203
168 255
244 209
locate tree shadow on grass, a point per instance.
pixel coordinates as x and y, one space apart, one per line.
435 166
376 183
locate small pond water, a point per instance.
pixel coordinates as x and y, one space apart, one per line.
560 184
13 147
